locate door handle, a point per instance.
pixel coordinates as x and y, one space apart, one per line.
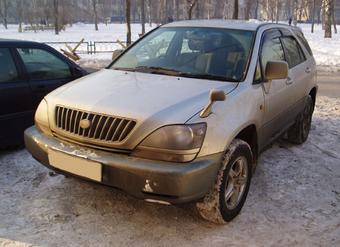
289 81
308 70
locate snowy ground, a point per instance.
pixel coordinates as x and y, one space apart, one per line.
326 51
294 200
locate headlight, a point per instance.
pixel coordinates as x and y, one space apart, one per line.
177 143
41 118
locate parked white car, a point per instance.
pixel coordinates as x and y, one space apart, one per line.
183 113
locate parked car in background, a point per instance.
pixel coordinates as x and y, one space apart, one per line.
183 113
28 71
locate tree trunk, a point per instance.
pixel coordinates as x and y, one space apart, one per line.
142 8
328 18
192 4
277 8
150 16
95 14
256 9
5 7
128 22
219 6
323 14
20 14
313 16
333 16
177 10
235 12
56 16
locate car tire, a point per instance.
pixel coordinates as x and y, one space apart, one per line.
299 132
226 199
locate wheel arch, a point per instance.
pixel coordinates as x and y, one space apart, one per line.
312 93
250 136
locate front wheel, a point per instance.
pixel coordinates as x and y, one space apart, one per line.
226 199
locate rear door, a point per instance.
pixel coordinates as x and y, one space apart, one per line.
299 74
16 105
46 71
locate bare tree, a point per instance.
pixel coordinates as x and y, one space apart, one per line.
128 21
3 11
313 16
277 10
142 7
218 12
177 9
333 16
95 14
235 12
328 18
20 10
191 5
56 16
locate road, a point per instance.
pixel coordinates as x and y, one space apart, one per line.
329 84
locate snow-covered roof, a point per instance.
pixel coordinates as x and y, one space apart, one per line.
218 23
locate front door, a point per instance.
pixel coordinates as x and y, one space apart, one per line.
277 99
45 71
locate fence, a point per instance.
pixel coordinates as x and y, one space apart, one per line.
88 47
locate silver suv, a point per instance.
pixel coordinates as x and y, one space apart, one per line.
183 113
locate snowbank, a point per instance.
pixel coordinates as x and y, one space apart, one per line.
326 51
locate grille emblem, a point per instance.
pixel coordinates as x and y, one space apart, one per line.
85 124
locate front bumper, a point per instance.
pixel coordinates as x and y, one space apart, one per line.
145 179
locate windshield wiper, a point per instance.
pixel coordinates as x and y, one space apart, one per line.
209 77
158 70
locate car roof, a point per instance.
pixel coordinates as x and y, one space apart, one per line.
251 25
15 42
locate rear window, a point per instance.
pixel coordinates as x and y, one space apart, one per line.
303 40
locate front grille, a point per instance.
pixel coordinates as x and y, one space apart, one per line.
103 128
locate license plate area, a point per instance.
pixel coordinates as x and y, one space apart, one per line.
75 165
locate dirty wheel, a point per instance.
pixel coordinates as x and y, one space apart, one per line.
227 197
298 133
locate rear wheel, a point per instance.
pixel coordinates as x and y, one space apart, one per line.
299 132
226 199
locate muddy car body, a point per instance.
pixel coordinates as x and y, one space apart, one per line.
183 113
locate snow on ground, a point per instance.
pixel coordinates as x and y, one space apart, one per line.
326 51
294 200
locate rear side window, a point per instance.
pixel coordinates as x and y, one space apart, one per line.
8 70
271 51
294 53
303 40
43 65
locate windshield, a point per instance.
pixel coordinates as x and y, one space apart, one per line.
208 53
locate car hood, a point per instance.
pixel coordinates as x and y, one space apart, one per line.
152 100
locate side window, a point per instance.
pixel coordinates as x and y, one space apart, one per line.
271 51
303 40
43 65
294 53
258 75
8 71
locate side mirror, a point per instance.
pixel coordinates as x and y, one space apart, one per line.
215 95
276 70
